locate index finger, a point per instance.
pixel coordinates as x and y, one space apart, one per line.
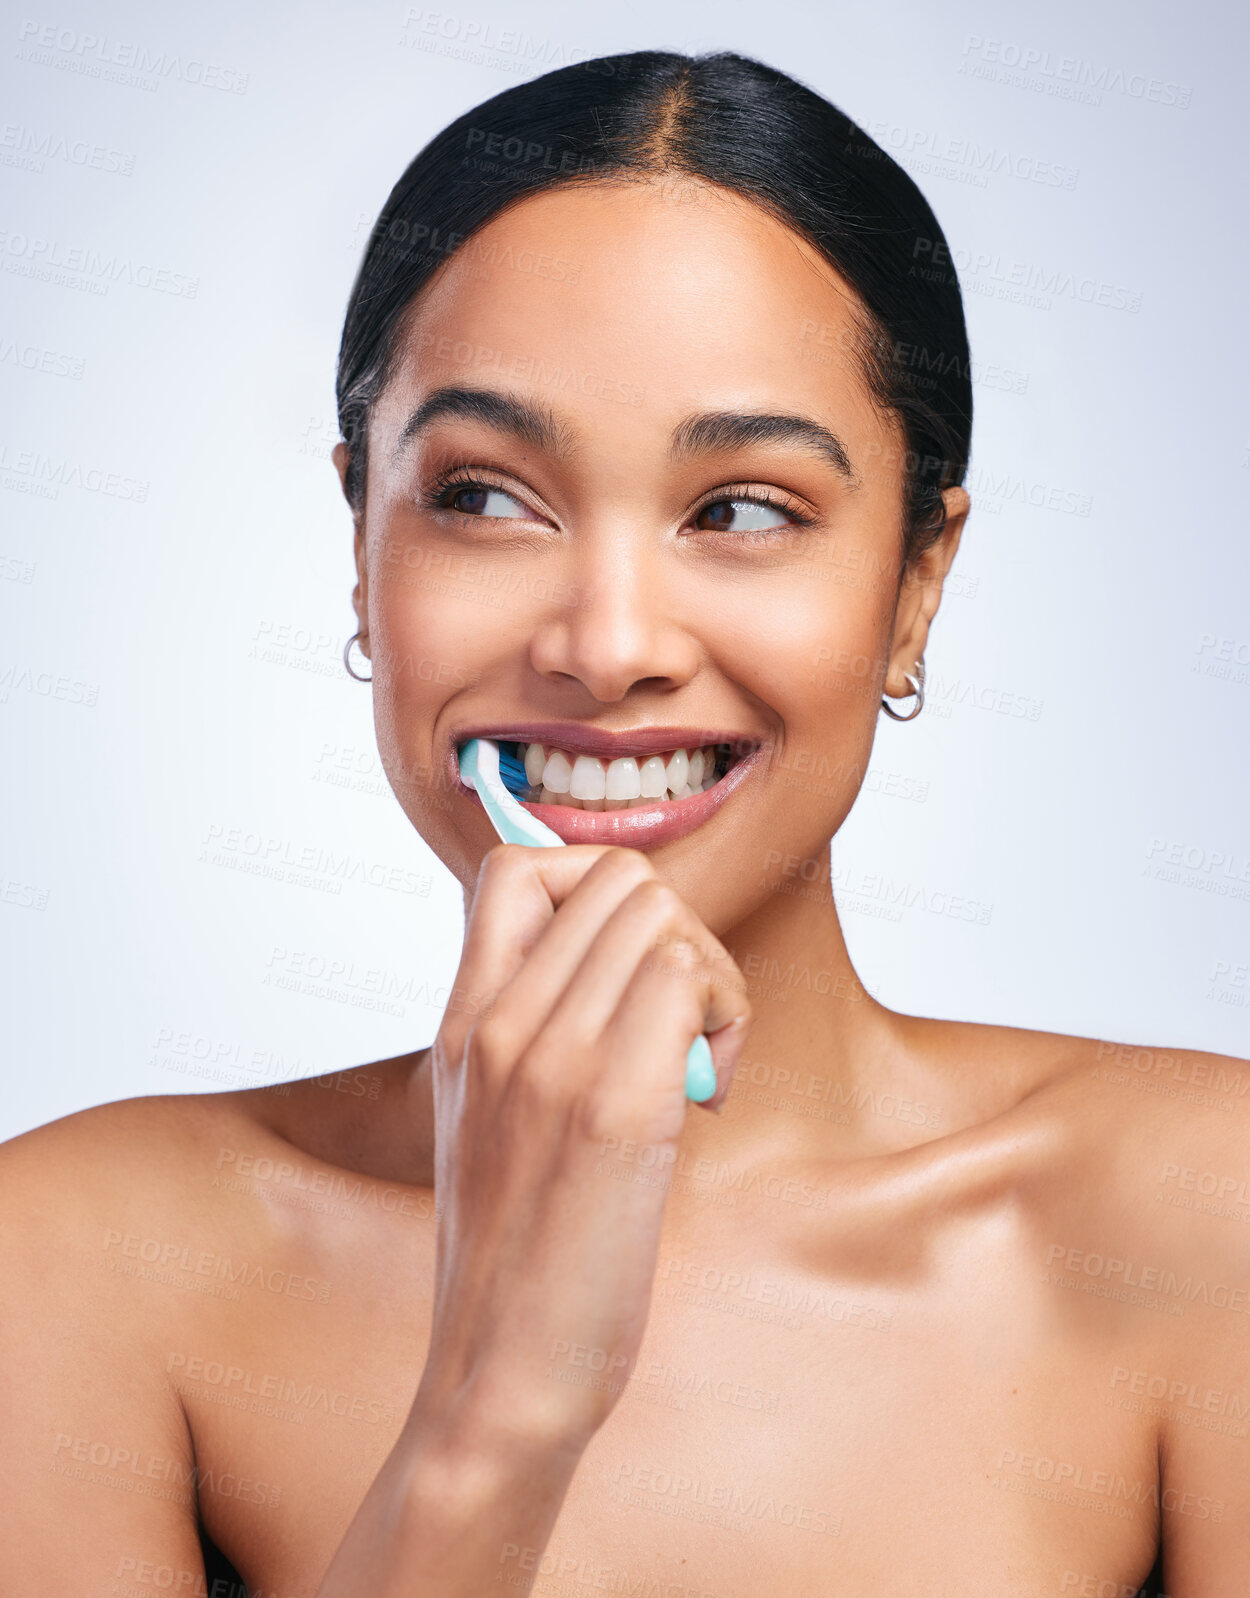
518 891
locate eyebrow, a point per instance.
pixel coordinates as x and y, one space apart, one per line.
709 431
533 424
725 430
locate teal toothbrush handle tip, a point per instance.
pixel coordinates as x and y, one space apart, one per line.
478 761
700 1072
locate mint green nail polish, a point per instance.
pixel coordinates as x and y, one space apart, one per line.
700 1072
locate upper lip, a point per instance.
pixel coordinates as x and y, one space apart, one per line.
579 738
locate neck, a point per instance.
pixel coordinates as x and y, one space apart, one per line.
826 1071
820 1046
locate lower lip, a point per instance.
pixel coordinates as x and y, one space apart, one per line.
644 826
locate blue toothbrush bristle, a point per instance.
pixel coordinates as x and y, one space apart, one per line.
512 771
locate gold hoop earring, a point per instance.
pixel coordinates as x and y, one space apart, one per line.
917 687
347 661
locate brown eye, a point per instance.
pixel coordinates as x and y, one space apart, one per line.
470 501
483 499
740 516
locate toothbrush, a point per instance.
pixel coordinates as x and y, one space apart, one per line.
498 777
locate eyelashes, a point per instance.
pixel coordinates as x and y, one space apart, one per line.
469 483
748 494
460 480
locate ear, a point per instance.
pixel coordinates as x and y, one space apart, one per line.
341 456
921 593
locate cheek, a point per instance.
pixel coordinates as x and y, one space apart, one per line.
428 607
817 647
817 652
425 632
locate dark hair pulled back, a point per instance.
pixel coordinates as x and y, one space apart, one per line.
725 119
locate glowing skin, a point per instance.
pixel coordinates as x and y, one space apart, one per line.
655 621
874 1337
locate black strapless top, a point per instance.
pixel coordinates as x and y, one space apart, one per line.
221 1579
1153 1586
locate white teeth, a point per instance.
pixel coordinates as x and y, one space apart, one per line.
653 778
589 779
557 776
622 780
535 762
557 773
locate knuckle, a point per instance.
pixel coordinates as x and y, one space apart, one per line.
611 1118
631 863
595 1120
503 861
658 899
735 980
486 1048
542 1080
624 868
604 1118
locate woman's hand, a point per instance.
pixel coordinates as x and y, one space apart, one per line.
583 981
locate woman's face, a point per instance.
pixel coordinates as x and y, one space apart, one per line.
688 515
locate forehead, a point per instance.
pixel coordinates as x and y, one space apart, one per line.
670 294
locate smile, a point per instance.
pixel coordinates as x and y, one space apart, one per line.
634 790
588 782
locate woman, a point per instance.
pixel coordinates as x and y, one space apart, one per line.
655 407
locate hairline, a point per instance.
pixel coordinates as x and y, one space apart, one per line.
866 326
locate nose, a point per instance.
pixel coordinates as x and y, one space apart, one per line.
621 627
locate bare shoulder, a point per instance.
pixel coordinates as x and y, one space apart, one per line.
131 1214
1091 1087
1147 1123
1174 1124
1118 1134
93 1208
172 1155
212 1211
120 1164
1156 1223
1138 1158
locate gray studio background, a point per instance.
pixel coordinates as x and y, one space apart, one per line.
186 196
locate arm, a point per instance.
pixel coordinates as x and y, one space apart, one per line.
97 1468
583 1041
454 1508
1204 1472
1201 1378
579 1041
